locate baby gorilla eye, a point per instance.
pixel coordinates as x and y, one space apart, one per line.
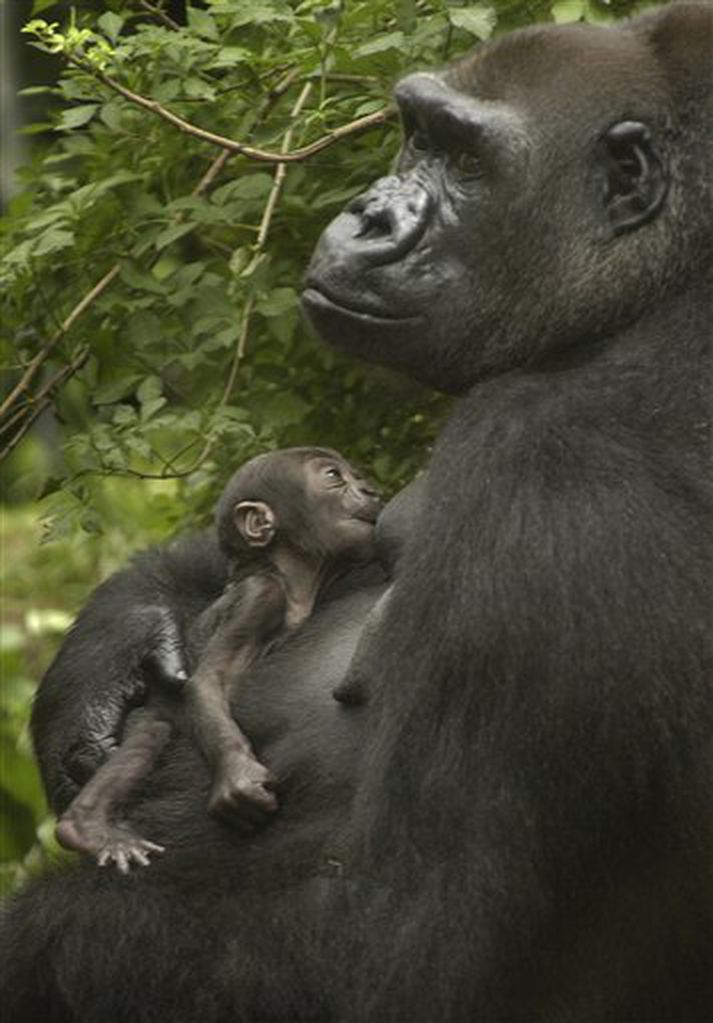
333 473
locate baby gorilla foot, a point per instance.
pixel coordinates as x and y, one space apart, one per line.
78 834
126 849
107 842
242 790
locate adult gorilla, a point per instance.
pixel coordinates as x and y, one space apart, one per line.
528 833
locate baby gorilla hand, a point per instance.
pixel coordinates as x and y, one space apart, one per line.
242 790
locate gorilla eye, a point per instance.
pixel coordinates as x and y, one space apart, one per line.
467 164
333 473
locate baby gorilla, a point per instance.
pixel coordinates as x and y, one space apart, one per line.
289 522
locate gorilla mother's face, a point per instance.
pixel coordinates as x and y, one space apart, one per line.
511 227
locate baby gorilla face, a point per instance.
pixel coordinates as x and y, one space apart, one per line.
343 506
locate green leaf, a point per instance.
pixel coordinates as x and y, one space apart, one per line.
38 128
256 12
36 90
250 186
478 20
150 408
172 234
141 280
124 415
197 88
41 5
115 389
111 114
382 43
202 23
166 266
283 409
229 56
278 302
567 10
149 389
52 241
111 24
75 117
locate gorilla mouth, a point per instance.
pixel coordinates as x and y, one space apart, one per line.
318 299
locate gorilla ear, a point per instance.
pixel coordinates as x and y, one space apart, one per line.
634 179
255 521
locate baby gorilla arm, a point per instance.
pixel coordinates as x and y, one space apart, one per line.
255 615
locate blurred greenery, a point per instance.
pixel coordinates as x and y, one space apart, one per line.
193 356
43 586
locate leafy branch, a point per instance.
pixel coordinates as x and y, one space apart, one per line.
158 12
188 273
90 54
232 145
258 252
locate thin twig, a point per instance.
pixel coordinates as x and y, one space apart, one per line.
267 216
45 352
211 174
261 155
44 400
159 13
9 424
98 289
263 231
228 147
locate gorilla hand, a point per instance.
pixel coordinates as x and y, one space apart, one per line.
165 661
151 653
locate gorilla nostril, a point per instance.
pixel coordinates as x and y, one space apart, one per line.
375 223
381 225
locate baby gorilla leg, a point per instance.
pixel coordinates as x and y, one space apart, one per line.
90 824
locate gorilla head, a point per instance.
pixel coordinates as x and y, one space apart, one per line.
548 185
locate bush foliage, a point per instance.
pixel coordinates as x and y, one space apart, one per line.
151 273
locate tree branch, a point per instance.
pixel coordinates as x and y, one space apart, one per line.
43 400
261 155
27 377
159 13
23 385
263 231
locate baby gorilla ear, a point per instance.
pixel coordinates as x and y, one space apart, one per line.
255 522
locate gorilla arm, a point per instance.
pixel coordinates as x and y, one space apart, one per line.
129 636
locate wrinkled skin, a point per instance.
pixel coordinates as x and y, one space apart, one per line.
513 819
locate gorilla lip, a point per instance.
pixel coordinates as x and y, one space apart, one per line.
313 296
